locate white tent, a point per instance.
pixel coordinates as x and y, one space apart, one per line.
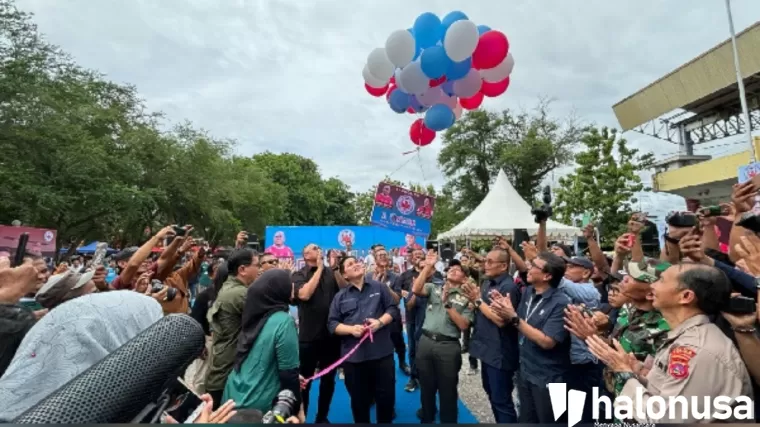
501 212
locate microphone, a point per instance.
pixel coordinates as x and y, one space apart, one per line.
121 385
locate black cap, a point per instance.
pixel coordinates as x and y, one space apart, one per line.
568 251
125 254
581 262
454 262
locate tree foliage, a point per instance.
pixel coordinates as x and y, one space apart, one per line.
527 146
604 182
82 155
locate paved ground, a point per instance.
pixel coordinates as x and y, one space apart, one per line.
472 394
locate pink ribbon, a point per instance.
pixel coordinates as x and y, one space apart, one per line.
325 371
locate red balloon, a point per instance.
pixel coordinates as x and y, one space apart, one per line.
393 80
439 81
473 102
410 110
491 50
376 91
390 89
420 134
494 89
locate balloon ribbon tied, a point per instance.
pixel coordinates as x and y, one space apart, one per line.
325 371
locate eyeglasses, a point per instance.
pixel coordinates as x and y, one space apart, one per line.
271 261
531 265
492 262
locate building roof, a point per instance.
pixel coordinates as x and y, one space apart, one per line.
708 75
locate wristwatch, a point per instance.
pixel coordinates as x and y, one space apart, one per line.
514 321
478 302
623 377
447 305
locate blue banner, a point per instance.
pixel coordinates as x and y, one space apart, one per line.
397 208
289 241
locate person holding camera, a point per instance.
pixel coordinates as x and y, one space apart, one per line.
696 359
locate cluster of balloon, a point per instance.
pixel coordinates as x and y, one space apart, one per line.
439 67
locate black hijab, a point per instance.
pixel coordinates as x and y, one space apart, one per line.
269 294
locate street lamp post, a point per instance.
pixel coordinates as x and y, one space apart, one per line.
740 82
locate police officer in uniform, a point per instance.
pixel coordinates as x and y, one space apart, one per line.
439 356
696 360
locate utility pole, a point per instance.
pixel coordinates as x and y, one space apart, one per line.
740 82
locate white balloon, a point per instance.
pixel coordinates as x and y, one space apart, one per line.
461 40
400 48
371 80
432 96
469 85
499 72
458 111
449 101
413 79
379 64
399 85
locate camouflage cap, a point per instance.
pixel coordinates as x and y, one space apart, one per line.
648 270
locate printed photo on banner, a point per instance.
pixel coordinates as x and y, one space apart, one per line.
401 209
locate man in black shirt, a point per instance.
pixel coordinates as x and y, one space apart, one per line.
316 286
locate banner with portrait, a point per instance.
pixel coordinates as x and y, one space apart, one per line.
400 209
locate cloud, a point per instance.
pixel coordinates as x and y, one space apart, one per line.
285 75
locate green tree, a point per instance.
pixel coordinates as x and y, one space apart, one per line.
527 146
603 183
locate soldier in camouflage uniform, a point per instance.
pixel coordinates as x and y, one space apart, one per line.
640 330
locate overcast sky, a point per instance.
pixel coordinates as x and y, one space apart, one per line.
286 75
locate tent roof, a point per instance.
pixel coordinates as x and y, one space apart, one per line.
500 213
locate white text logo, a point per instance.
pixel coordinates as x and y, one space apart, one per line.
656 408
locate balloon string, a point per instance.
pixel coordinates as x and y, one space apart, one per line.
419 159
402 165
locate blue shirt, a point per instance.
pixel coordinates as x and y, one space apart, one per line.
581 293
353 306
492 345
740 280
545 312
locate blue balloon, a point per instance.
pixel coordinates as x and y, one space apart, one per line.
448 88
416 46
427 30
457 70
483 29
434 62
449 19
415 104
399 101
439 117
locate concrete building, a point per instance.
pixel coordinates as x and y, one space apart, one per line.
696 104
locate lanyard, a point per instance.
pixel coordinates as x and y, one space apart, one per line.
530 312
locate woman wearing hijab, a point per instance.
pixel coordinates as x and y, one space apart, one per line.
267 352
69 340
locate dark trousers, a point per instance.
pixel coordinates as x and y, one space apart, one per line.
438 363
535 404
498 385
466 347
584 377
319 354
413 333
373 380
397 337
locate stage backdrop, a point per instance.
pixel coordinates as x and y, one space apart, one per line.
285 241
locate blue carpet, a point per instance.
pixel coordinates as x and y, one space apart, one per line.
407 404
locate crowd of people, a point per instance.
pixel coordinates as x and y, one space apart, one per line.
526 316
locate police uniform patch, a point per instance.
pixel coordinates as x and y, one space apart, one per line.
678 362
